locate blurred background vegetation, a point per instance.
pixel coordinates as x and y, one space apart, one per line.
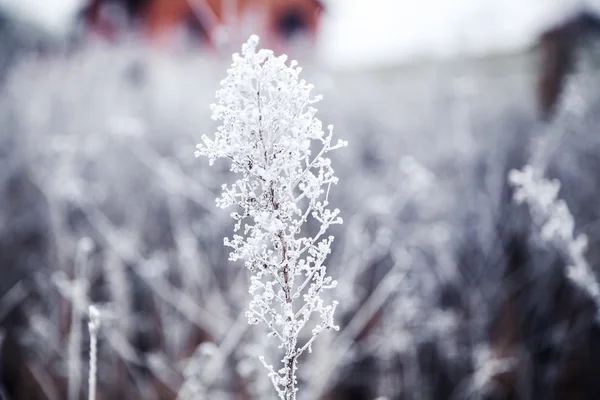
446 290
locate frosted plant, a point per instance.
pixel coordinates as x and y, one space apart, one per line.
557 225
488 366
193 387
268 131
93 326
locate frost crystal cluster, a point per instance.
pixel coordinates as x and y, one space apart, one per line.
269 133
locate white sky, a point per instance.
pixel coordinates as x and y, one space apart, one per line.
372 33
54 15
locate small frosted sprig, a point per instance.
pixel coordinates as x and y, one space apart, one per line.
278 149
556 224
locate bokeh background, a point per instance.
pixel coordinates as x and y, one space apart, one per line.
446 289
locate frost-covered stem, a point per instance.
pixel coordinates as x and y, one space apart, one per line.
268 132
93 325
78 298
290 339
74 346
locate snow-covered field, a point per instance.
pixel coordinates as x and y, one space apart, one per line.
443 282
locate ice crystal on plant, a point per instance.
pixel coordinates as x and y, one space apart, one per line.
278 148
